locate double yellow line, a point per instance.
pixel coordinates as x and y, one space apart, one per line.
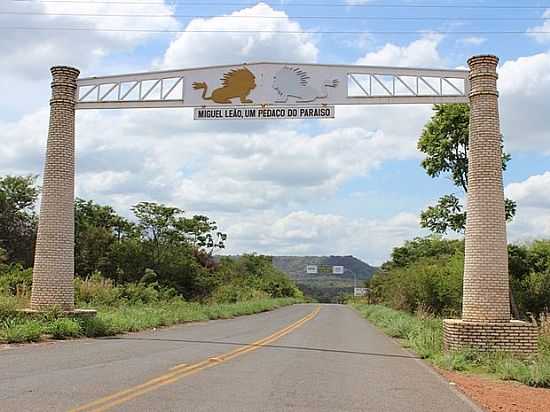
184 370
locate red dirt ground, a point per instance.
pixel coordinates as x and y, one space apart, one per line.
499 396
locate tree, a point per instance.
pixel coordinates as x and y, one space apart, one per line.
97 229
156 222
18 220
202 232
444 141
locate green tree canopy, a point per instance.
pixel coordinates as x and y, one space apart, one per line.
444 141
18 220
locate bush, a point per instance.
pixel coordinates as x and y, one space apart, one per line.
427 272
8 307
424 274
99 291
252 272
28 331
509 368
15 281
453 361
63 328
426 338
539 372
136 293
95 327
96 290
234 293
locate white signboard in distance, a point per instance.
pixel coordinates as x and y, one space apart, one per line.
360 291
311 269
337 270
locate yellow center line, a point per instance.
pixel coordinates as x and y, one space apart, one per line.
181 365
183 370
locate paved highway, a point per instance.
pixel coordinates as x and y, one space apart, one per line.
299 358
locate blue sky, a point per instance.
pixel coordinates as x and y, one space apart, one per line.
352 185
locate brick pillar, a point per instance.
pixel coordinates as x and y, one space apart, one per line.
53 272
486 281
485 323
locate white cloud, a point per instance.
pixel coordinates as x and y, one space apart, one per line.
165 154
533 214
524 85
533 192
473 41
306 233
541 33
420 53
191 49
29 54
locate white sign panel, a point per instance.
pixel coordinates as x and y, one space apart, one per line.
264 84
311 269
360 291
264 113
337 270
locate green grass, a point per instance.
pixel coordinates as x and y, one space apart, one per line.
17 328
425 337
27 331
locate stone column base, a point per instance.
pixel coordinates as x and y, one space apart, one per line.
514 336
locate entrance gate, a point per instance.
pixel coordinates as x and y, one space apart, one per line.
486 322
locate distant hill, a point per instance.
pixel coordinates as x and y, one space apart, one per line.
322 286
295 266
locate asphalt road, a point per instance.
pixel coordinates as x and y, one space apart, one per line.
299 358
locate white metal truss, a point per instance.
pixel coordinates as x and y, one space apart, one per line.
129 91
356 85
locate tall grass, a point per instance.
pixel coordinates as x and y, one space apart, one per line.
15 328
424 335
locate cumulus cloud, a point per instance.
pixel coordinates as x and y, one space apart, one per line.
541 33
532 192
306 233
28 54
261 169
533 217
190 49
420 53
524 85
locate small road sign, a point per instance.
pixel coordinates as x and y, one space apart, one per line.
361 291
311 269
337 270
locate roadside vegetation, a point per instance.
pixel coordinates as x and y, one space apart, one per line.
423 333
422 284
425 275
113 320
154 270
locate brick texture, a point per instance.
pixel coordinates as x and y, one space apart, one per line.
53 272
486 322
486 282
514 336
